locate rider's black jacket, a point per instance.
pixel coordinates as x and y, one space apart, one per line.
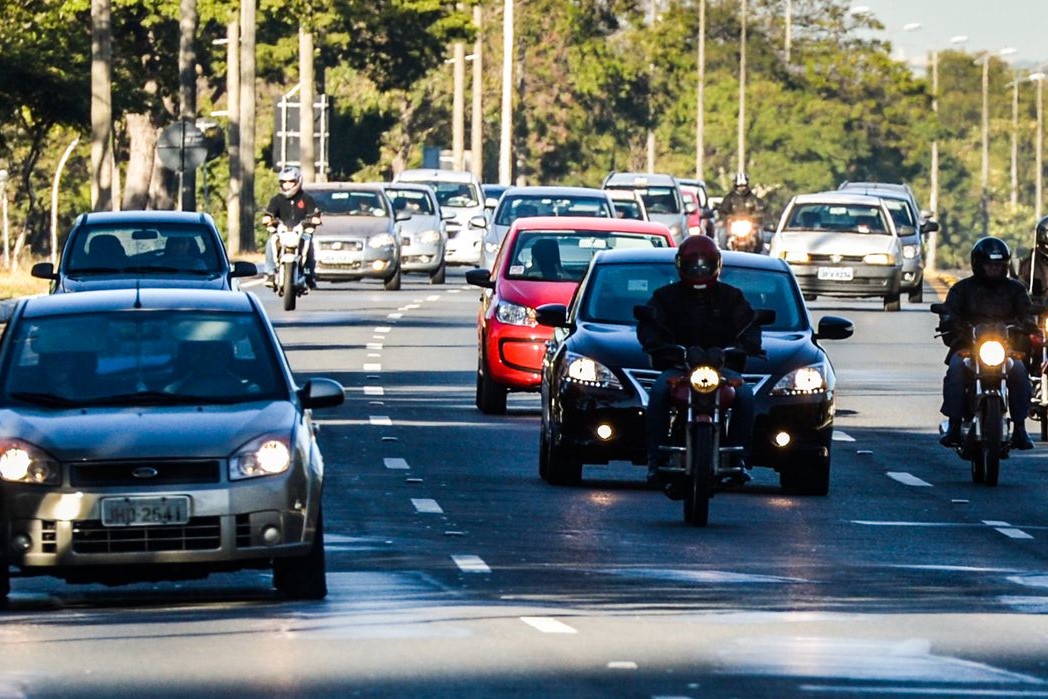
972 301
294 210
717 316
738 204
1039 258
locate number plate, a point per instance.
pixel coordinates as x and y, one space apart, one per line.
335 257
837 274
144 512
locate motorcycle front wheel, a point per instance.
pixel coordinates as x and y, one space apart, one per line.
288 291
701 466
991 446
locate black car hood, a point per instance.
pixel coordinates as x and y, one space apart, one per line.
617 346
105 281
207 431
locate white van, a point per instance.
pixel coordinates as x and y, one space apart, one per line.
460 199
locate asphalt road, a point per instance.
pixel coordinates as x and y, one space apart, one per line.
454 571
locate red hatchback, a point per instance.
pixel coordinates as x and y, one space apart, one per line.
541 260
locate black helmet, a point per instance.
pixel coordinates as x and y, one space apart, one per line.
991 250
1042 233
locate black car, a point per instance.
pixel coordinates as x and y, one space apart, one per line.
158 249
596 377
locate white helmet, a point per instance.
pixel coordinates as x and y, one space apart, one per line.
741 180
290 174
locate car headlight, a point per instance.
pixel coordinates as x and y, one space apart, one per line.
21 462
492 248
803 381
879 258
675 229
429 237
991 353
515 314
796 256
705 379
586 371
265 456
383 240
909 251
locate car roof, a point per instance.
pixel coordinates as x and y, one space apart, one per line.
838 197
592 223
145 216
86 302
667 255
638 179
556 190
340 186
887 186
433 175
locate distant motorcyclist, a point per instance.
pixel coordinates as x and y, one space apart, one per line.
988 296
1033 270
698 310
291 207
741 202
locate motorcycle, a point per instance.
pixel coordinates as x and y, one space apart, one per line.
986 426
744 234
1038 360
700 415
291 246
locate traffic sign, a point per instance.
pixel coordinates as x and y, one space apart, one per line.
181 147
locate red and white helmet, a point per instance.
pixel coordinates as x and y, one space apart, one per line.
698 261
290 179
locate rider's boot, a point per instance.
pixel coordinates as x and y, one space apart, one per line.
952 438
1020 439
271 280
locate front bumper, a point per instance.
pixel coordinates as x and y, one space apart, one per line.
518 352
419 257
465 245
354 259
866 280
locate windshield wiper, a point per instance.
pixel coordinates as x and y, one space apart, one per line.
48 399
95 270
145 398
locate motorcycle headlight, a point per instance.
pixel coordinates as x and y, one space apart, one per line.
803 381
796 256
741 227
290 238
991 353
879 258
705 379
383 240
586 371
515 314
265 456
909 251
429 237
21 462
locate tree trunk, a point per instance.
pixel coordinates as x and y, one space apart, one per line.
101 106
142 136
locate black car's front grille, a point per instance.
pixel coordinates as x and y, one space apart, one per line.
644 379
200 534
140 473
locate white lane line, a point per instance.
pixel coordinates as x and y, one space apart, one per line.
1007 529
383 329
622 665
920 691
547 624
372 366
395 316
454 291
839 436
374 346
374 391
471 564
409 307
380 420
427 506
374 355
908 479
396 464
434 297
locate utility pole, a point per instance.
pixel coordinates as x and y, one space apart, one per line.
247 124
506 135
233 114
187 28
742 91
789 29
933 198
700 102
307 155
101 106
1039 77
458 107
985 171
476 131
1014 199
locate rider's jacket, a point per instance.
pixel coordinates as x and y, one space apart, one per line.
717 316
1039 259
972 300
294 210
738 204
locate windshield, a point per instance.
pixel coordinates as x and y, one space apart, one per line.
841 218
145 248
514 206
614 289
142 358
411 201
659 200
456 195
565 255
628 208
350 202
900 212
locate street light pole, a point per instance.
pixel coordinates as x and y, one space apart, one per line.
506 135
700 107
742 91
1014 199
789 29
3 214
933 197
985 171
1039 78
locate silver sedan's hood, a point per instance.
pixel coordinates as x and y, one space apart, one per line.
206 431
828 243
420 223
353 226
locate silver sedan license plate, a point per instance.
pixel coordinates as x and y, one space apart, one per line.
836 274
145 512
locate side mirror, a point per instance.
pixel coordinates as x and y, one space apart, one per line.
490 203
480 277
43 270
706 212
938 309
929 226
321 393
402 215
478 222
446 215
243 268
552 315
834 328
644 312
689 207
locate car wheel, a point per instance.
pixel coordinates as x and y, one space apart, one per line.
813 478
544 451
438 275
491 397
916 294
892 303
5 581
304 577
560 470
392 283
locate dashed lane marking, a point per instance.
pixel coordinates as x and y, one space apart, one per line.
380 420
434 297
397 464
374 346
383 329
547 624
908 479
1007 529
374 391
427 506
372 366
839 436
471 564
395 316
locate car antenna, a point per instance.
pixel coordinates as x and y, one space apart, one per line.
138 293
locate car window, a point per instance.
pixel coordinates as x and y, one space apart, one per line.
144 357
901 212
513 207
410 200
659 200
628 208
144 248
456 195
565 255
349 202
613 291
841 218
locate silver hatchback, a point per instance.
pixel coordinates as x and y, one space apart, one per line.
422 228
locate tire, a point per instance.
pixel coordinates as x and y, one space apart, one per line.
5 581
544 451
916 294
392 283
700 484
491 397
1041 414
991 446
560 470
289 286
892 303
438 276
304 577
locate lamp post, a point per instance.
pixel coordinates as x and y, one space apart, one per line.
789 29
742 90
4 176
506 132
1039 79
985 170
700 106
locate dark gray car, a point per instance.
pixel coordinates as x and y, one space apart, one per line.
661 195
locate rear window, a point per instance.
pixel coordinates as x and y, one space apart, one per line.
513 207
852 218
565 255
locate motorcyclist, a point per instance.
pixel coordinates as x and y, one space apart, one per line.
291 207
988 296
1033 270
698 310
741 202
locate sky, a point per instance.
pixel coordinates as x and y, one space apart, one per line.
990 25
